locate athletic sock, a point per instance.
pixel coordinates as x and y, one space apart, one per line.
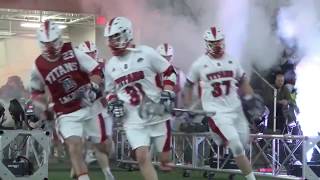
250 176
83 177
107 173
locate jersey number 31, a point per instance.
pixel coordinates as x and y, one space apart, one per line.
135 93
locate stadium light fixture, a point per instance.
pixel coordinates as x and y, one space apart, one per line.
37 25
7 33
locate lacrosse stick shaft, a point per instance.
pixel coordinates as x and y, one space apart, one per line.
196 112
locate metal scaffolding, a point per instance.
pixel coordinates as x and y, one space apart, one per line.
262 148
32 145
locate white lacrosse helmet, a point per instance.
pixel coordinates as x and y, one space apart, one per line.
166 51
89 48
119 33
214 39
49 37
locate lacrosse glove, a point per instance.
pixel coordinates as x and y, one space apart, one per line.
167 99
116 108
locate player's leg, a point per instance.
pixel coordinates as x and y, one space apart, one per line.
57 146
96 130
96 127
89 152
103 158
224 127
244 165
242 161
162 142
84 152
75 147
139 140
104 164
70 128
143 157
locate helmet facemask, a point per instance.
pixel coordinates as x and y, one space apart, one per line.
50 41
215 48
166 51
168 58
119 35
118 42
93 54
51 50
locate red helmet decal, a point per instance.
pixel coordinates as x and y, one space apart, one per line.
46 28
110 23
166 47
214 31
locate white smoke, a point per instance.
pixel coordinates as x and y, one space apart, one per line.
247 25
302 18
249 34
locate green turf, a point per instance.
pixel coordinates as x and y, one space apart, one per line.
61 172
135 175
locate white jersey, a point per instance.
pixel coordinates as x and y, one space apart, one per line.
133 79
219 80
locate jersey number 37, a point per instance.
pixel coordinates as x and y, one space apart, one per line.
218 88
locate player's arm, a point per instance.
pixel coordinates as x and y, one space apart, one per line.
114 104
90 66
162 66
109 86
244 83
192 78
37 90
181 82
188 90
245 87
253 103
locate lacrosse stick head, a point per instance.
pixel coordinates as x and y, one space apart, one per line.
149 110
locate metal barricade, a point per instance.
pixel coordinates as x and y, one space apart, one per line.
265 147
32 146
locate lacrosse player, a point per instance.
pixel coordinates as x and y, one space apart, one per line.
221 75
133 96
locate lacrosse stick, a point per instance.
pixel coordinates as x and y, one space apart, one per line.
193 112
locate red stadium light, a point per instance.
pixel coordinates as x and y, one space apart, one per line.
101 20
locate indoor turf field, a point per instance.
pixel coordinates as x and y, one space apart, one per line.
61 172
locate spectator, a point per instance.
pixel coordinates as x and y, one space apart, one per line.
283 100
13 89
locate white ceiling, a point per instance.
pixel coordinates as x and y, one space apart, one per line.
10 20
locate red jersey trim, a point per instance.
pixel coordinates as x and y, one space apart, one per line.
169 71
111 97
97 71
168 82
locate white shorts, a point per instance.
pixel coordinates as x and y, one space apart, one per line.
158 135
227 126
106 123
100 113
82 124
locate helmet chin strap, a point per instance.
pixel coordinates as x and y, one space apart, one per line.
118 51
215 55
52 59
122 51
